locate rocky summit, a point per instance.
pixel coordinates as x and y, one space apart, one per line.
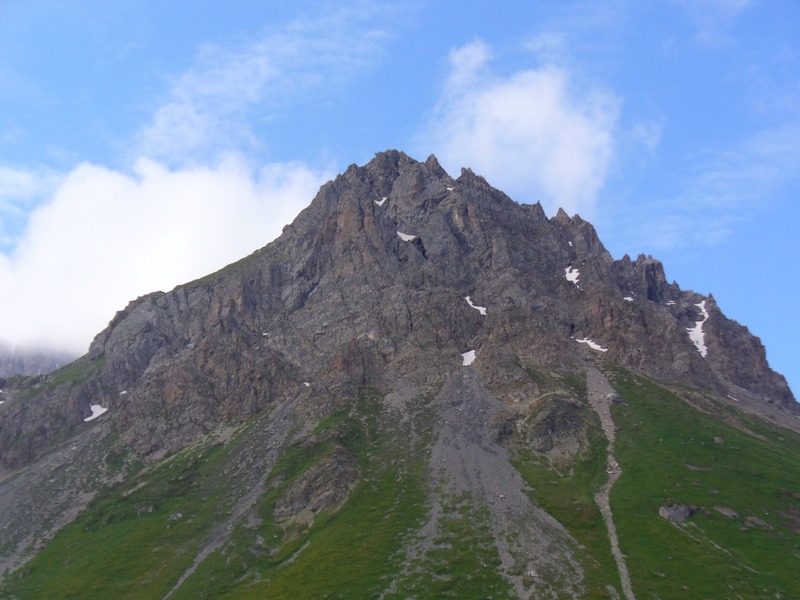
421 389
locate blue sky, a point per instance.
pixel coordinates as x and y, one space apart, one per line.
143 144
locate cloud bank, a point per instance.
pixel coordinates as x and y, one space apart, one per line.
190 203
105 237
212 105
534 133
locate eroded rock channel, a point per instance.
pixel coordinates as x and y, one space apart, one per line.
535 550
601 395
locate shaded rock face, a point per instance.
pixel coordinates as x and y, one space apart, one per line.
558 429
341 300
325 485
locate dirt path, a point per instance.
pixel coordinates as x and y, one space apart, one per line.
273 436
600 395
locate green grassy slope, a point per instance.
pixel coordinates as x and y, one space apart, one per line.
127 546
671 452
348 553
566 491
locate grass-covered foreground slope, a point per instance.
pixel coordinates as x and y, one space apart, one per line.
347 552
741 481
738 477
130 543
566 491
138 539
342 511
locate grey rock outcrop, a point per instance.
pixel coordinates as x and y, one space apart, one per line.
677 513
341 300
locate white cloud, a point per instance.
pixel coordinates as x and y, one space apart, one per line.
712 17
724 189
105 237
211 106
19 191
753 170
534 133
548 46
722 7
19 186
191 203
466 64
646 135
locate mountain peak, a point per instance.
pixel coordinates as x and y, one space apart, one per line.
401 308
433 165
409 243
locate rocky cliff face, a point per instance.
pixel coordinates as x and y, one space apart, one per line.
370 282
392 273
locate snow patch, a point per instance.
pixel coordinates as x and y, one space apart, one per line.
593 345
97 410
123 392
570 244
406 237
305 383
450 189
696 333
671 303
480 309
572 274
382 201
629 299
467 358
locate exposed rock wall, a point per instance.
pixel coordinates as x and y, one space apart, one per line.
341 299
